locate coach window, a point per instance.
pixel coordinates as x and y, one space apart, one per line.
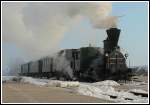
73 55
71 64
77 56
46 61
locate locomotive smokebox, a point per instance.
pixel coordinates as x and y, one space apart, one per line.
112 39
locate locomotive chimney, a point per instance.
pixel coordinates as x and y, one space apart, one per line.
112 39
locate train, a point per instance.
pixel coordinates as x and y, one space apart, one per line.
83 64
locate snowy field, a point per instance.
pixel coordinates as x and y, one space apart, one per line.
103 90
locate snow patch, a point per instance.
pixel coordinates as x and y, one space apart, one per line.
10 78
33 81
63 83
91 91
106 83
105 90
138 91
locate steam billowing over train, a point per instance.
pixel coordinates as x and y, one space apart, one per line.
84 64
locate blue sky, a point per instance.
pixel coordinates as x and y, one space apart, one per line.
133 38
134 25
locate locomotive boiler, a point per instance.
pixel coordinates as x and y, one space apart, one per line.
83 64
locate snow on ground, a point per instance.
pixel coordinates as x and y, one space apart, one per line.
108 92
24 79
106 83
63 84
33 81
8 78
104 89
138 91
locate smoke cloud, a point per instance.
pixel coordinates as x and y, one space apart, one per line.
37 28
62 65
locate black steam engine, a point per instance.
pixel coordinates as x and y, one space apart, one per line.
84 64
115 61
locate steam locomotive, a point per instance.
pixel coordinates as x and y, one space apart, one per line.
83 64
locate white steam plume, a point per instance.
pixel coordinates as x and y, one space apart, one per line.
37 28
